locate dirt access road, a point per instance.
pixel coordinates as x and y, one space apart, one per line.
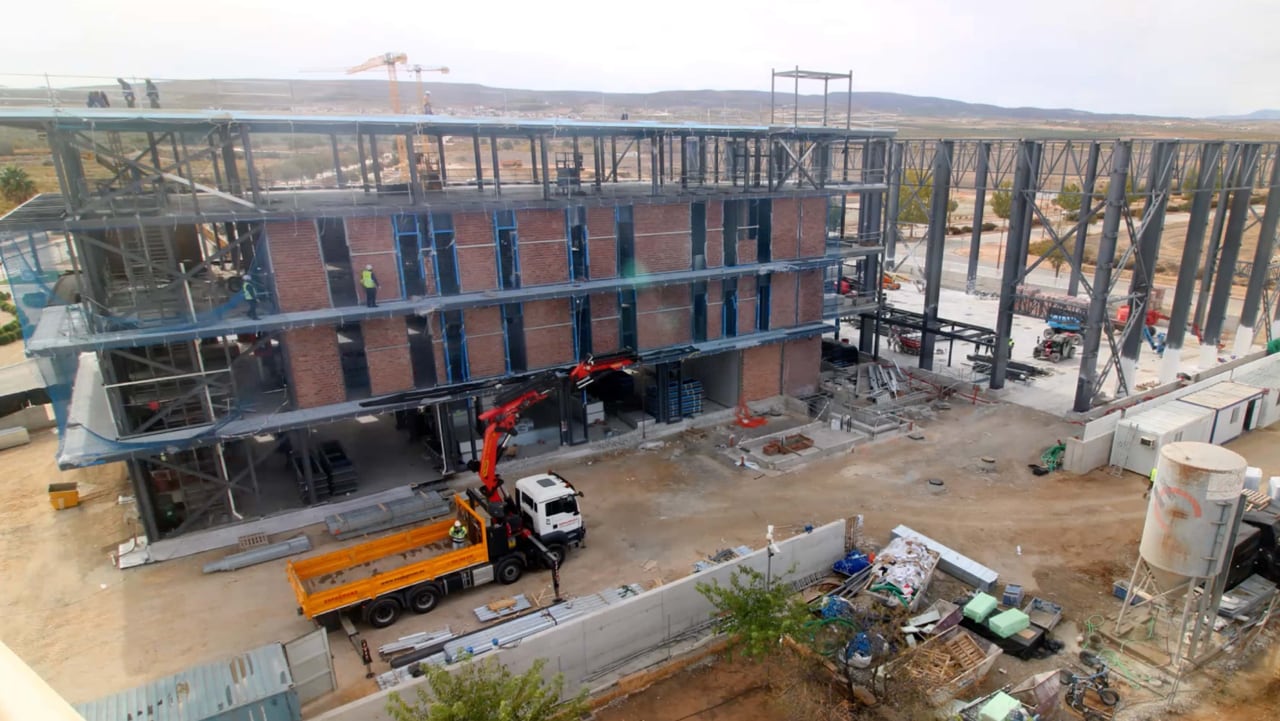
91 630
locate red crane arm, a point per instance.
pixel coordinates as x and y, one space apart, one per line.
500 421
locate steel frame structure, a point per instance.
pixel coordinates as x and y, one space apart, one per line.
1125 184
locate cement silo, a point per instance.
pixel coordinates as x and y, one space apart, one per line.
1189 516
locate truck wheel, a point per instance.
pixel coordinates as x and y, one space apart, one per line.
1048 333
509 570
424 600
1055 356
557 552
382 612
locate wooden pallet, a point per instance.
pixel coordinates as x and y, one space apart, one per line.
1256 500
964 651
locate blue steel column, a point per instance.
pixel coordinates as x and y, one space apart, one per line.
936 247
891 205
1082 223
1261 265
1239 216
979 205
1148 254
1024 180
1087 382
1179 315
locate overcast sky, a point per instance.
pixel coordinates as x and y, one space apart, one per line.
1170 57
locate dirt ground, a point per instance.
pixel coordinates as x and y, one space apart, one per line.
90 629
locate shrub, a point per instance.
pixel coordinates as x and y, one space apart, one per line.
988 226
966 229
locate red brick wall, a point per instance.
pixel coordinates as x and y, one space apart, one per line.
543 247
386 346
548 333
486 345
301 282
664 316
761 372
715 292
782 301
746 305
477 253
604 322
813 227
663 243
801 363
602 244
315 370
785 231
715 233
810 296
372 242
746 251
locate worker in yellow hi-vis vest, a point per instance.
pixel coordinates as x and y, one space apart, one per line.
369 282
1151 483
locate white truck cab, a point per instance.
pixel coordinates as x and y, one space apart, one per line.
549 506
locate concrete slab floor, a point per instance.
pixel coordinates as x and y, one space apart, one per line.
1054 393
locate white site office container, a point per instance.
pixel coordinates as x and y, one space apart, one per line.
1138 438
1235 407
1265 375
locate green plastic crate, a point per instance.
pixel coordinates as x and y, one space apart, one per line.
1008 623
998 708
980 607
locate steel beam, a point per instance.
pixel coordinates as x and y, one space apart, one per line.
1258 278
1097 323
936 248
1237 219
891 206
1159 176
979 205
1024 179
1180 313
1083 217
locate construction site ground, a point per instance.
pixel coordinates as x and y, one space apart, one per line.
91 629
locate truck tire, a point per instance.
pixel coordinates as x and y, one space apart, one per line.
509 570
424 599
382 612
558 552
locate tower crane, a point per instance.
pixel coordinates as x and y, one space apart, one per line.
390 61
424 97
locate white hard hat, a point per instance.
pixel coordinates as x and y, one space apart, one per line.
457 523
247 277
368 267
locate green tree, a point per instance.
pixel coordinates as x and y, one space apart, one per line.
1191 181
15 185
1002 201
487 691
1056 257
1070 198
756 613
914 197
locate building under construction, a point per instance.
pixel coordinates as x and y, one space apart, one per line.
500 247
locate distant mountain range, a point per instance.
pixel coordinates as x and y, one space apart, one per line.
371 96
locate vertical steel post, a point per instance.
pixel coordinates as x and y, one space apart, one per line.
795 111
1024 181
546 169
497 173
255 189
1261 265
377 162
337 160
1215 235
1159 176
533 158
1087 382
475 147
1238 218
1082 222
891 205
415 185
444 166
773 88
979 205
1180 313
935 247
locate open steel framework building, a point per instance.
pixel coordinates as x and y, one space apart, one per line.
704 248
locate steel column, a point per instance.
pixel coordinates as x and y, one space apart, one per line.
936 247
1180 313
337 161
1261 265
891 205
1096 323
1236 221
497 173
1159 176
475 147
546 169
1215 235
979 205
1082 222
1024 185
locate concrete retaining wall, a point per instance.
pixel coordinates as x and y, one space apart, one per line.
588 649
33 418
